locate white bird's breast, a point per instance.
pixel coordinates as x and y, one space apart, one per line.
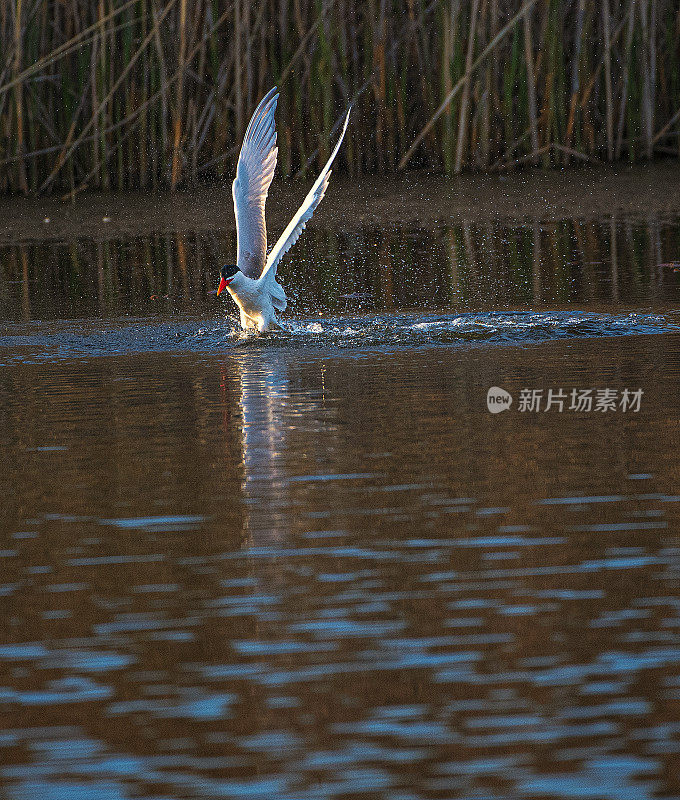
254 302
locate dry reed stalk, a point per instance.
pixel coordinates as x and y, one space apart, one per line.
594 78
465 99
625 78
18 96
449 97
530 157
606 25
105 101
379 86
450 33
575 76
652 55
165 87
177 126
73 43
485 101
647 79
72 112
531 82
93 94
575 153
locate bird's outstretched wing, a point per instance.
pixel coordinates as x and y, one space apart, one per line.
304 213
254 173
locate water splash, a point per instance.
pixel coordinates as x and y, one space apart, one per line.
38 342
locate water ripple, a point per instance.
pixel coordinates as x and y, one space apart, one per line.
38 342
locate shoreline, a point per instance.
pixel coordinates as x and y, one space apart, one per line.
412 199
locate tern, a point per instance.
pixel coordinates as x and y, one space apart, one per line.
251 281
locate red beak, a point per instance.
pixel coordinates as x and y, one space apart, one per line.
223 285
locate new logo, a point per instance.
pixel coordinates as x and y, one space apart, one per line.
498 400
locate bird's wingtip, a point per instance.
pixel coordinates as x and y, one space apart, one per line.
344 127
273 93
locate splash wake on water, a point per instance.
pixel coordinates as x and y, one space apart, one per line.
39 342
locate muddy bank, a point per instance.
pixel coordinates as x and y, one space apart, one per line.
418 198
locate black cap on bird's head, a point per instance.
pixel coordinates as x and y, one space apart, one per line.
228 271
227 276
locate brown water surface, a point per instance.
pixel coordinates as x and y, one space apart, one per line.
314 565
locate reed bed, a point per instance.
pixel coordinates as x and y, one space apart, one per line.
126 94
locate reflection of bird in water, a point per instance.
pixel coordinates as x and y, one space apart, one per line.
252 280
263 394
265 415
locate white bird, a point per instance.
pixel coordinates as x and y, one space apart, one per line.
252 280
